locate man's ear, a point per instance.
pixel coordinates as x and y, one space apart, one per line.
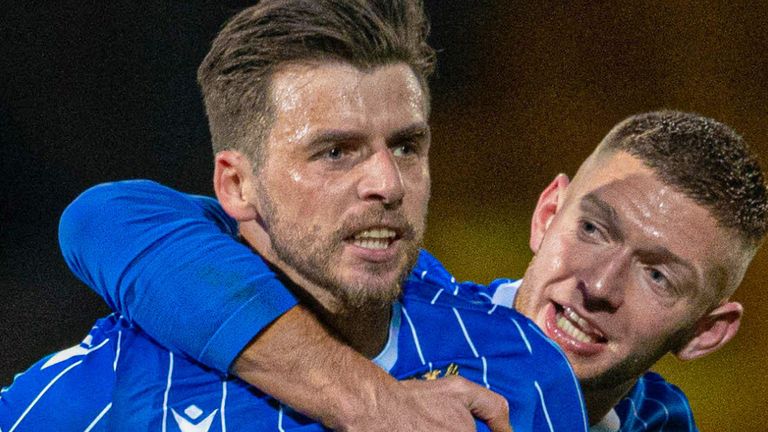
233 183
550 202
712 331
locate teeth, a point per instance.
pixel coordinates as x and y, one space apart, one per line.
573 316
571 330
375 238
371 244
381 233
566 320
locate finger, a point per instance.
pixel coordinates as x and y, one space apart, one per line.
491 408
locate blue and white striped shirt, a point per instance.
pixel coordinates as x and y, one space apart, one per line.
183 245
653 404
120 379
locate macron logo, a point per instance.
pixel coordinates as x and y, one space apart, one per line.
193 413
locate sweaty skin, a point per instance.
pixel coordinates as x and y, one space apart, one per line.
342 193
358 164
625 270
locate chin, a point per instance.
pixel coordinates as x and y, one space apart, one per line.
365 288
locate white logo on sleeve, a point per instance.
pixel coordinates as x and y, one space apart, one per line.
193 413
75 351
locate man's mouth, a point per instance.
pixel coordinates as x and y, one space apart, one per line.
573 332
570 322
374 238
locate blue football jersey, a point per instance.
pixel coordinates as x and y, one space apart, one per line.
120 379
653 404
70 390
123 237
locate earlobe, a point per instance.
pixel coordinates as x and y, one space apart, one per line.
713 331
232 180
550 202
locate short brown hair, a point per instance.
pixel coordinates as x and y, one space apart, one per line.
236 74
705 160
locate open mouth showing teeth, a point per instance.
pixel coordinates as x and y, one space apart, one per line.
377 238
577 327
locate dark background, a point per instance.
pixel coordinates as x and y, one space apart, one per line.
99 91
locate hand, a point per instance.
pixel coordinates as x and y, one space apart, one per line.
299 362
447 404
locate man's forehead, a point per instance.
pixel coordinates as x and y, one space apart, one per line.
639 204
310 99
304 82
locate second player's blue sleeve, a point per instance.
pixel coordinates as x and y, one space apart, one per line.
168 262
69 391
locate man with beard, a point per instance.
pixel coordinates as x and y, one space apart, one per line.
636 257
318 114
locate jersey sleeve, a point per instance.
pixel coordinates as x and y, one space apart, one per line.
67 391
168 262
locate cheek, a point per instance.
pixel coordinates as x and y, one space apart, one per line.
651 325
421 190
303 195
558 254
415 174
417 184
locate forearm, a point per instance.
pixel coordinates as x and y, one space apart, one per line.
301 363
298 361
169 262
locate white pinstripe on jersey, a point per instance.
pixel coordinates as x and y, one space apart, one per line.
634 413
544 406
485 372
464 330
167 390
574 379
522 335
117 352
280 419
43 392
415 336
434 299
223 405
663 407
98 418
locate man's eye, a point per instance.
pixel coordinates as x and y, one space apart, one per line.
403 150
661 283
334 153
590 231
589 227
657 276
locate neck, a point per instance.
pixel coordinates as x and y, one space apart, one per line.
364 329
600 401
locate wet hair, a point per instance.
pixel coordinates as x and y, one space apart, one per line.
253 45
705 160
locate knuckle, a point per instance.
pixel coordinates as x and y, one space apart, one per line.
504 405
455 383
497 401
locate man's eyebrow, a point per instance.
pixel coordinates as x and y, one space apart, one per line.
415 130
660 254
591 203
335 136
419 129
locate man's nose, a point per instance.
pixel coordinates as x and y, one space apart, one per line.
381 179
603 283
